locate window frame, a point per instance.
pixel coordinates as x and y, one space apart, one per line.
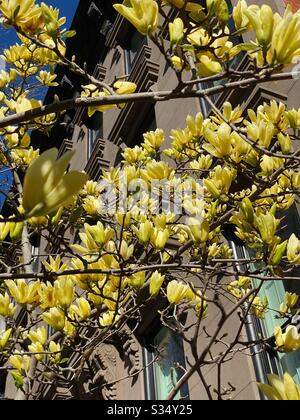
150 374
268 361
130 54
94 133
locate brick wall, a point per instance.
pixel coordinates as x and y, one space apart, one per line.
294 3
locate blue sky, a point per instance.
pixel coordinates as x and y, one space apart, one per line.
67 8
7 38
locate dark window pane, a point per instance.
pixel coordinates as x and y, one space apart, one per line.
95 126
169 365
135 44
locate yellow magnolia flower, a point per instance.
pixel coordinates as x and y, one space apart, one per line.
285 41
156 280
22 13
176 30
123 219
37 348
262 132
4 338
196 300
91 91
195 124
96 299
219 141
133 155
178 63
47 296
267 225
24 157
291 299
220 182
199 231
277 253
91 188
160 221
208 66
55 348
17 140
193 207
159 238
98 234
198 36
283 388
259 307
69 329
64 292
231 115
143 14
137 279
51 16
236 291
107 318
38 336
93 206
270 164
126 250
55 318
82 309
218 8
176 292
293 250
285 143
47 79
289 303
239 17
293 117
21 363
153 140
4 79
22 292
4 230
157 171
262 21
181 139
15 231
124 88
7 309
52 187
239 287
288 341
144 232
22 104
55 265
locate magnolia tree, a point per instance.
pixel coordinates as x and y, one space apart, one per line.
153 228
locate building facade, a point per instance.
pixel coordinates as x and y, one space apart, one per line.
111 48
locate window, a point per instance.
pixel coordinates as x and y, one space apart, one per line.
2 373
2 385
135 44
274 291
95 127
264 363
146 122
234 64
168 368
